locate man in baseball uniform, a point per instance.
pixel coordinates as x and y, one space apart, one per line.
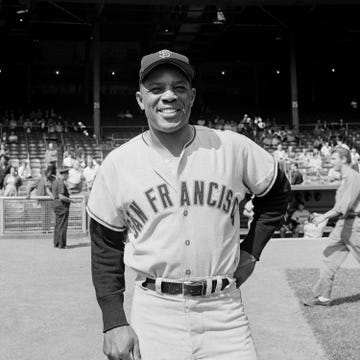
166 204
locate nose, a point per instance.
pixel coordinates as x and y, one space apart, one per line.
168 96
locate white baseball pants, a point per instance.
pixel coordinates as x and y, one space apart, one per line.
171 327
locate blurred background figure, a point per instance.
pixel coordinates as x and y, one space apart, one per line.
299 216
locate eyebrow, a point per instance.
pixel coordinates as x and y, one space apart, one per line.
178 82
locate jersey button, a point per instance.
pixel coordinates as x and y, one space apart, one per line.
185 213
188 272
187 242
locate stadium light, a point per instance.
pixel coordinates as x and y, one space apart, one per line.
22 11
0 70
223 72
57 72
113 73
333 70
278 72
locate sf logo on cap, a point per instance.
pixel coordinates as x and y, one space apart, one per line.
164 53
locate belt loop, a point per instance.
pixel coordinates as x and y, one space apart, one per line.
158 282
208 286
218 284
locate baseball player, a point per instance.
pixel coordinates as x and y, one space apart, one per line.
166 204
345 237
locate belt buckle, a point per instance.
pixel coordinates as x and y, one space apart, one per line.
194 288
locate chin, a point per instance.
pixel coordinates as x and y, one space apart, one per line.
170 127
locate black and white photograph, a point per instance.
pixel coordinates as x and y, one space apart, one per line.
179 180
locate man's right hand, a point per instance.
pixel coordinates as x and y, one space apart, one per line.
121 343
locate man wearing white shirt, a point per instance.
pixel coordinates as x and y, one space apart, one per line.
90 172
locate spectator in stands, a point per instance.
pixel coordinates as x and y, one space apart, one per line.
58 127
267 140
325 129
317 131
3 150
27 125
295 175
290 152
315 161
13 138
75 178
275 141
299 216
326 149
25 170
342 128
4 169
90 172
68 159
318 143
304 157
279 154
340 142
51 154
12 123
354 159
4 137
12 182
43 127
290 136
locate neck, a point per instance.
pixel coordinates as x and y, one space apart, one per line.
172 142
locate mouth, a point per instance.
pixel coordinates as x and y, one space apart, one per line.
168 111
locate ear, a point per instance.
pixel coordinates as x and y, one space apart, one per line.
139 99
193 95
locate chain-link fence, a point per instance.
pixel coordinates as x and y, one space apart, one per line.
19 215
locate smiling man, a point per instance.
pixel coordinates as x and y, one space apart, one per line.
167 205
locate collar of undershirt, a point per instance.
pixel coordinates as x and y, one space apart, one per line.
185 146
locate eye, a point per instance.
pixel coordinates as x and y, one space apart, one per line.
180 88
156 90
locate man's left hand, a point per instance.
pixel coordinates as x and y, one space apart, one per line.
245 268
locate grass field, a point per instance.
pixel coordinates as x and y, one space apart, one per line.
337 327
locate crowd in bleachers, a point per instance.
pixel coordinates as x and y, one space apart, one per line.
39 141
304 156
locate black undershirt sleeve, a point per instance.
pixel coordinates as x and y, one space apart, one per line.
108 273
269 211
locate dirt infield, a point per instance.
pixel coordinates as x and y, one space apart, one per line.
48 308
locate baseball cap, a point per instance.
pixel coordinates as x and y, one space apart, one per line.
149 62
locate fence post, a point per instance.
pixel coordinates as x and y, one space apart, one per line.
2 220
83 223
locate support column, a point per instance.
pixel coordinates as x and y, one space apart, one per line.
294 89
96 79
256 85
86 75
28 83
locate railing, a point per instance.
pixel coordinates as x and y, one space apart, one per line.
22 216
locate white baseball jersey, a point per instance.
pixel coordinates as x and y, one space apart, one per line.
182 213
